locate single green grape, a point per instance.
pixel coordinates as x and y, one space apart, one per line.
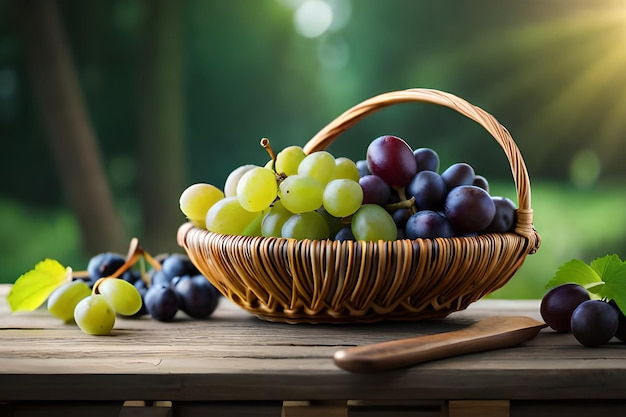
318 165
230 186
94 315
257 189
300 193
63 300
228 217
346 168
372 222
274 219
342 197
197 199
308 225
288 160
254 227
121 295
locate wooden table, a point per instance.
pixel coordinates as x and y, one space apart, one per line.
237 365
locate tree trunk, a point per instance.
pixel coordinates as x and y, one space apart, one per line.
161 124
72 140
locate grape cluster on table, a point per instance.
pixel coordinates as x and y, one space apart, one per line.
394 193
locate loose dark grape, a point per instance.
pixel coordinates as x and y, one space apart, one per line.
621 327
198 296
480 181
558 304
429 190
391 159
104 265
158 277
177 265
375 190
426 159
427 224
458 174
469 209
594 322
504 219
162 302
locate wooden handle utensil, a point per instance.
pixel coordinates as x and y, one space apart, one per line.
487 334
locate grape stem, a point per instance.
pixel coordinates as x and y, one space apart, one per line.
404 202
265 143
135 253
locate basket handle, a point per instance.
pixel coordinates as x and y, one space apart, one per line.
350 117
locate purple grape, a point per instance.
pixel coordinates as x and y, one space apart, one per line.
391 159
594 322
361 166
426 159
104 265
177 265
344 234
375 190
162 302
504 219
401 216
558 304
197 295
427 224
458 174
480 181
621 327
428 189
469 209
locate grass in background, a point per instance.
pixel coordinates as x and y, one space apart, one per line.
572 223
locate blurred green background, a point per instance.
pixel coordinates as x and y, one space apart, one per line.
170 93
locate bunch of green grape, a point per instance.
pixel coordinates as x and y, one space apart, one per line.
295 195
94 310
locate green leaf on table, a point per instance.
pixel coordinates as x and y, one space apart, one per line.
575 272
613 274
33 288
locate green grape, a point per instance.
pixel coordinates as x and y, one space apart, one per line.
254 228
94 315
63 300
319 165
197 199
228 217
372 222
257 189
121 295
334 223
345 168
274 219
288 160
299 193
342 197
308 225
230 186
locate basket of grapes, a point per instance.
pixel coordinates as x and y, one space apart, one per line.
317 239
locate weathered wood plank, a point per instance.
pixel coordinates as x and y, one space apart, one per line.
234 356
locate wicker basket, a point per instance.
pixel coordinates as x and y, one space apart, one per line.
291 281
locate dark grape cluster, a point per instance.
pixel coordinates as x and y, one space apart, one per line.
569 308
177 285
425 203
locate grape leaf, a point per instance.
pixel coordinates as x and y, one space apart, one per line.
576 272
614 277
33 288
